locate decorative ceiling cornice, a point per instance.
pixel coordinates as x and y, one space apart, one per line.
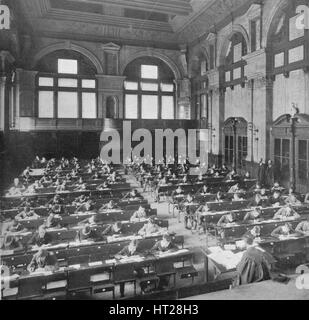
171 7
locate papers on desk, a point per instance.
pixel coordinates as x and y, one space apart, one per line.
41 271
80 243
110 261
82 214
131 259
230 247
94 264
9 278
172 253
226 258
56 229
6 252
116 238
216 249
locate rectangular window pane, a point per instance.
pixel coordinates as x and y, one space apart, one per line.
149 107
302 170
203 67
167 107
302 149
149 86
166 87
128 85
285 148
131 106
87 83
46 82
67 105
67 66
204 106
278 147
149 72
89 105
237 52
69 83
46 104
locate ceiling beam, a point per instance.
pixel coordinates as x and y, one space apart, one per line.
171 7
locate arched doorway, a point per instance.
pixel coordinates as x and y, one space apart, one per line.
283 153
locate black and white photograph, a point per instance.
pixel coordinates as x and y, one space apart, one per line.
154 150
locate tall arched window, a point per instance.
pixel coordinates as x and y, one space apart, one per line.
149 90
66 86
233 70
200 96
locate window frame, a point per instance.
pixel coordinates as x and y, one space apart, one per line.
55 89
139 92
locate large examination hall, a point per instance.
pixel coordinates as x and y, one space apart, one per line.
154 149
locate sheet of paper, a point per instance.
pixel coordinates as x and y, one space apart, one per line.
96 263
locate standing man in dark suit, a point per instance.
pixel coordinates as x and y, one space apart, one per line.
261 173
269 174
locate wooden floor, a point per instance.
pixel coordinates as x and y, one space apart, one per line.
267 290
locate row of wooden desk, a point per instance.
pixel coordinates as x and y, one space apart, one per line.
98 276
85 250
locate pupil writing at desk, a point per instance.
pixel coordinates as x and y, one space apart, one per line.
284 230
40 237
104 186
227 219
303 227
52 221
253 215
138 215
86 233
204 191
164 245
13 226
85 207
234 188
292 200
199 179
132 195
92 221
57 209
254 233
113 229
79 200
43 259
149 228
237 197
179 191
219 197
287 212
27 213
129 251
276 200
111 205
62 187
11 243
257 202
